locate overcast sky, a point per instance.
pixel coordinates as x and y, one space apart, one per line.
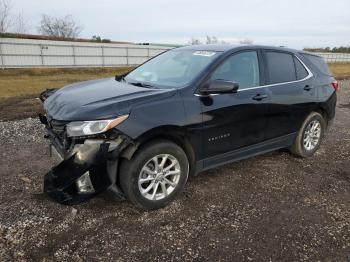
296 24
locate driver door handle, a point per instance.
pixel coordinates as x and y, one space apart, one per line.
307 88
259 97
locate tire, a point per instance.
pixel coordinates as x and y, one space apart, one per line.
140 172
301 146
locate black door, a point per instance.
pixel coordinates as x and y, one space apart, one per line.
235 120
291 93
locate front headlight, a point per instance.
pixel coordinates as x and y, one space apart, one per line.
84 128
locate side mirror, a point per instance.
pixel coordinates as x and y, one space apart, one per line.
219 87
120 77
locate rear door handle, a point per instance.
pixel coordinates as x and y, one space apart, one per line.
308 88
259 97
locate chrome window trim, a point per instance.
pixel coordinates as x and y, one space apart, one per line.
310 74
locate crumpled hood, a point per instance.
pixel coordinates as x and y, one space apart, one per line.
99 99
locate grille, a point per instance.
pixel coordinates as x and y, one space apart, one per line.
58 128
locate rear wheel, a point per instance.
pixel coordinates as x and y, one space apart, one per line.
155 175
309 136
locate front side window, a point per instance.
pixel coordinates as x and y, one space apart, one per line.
281 67
242 68
172 69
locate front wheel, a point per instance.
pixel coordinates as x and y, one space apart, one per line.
309 136
155 175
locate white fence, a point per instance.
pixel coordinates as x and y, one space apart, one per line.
15 53
335 57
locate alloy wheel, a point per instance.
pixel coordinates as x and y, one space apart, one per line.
159 177
312 135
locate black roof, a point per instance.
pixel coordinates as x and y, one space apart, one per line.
229 47
211 47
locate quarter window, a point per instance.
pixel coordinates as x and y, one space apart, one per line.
319 63
242 68
300 69
281 67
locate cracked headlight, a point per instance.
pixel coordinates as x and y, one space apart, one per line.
84 128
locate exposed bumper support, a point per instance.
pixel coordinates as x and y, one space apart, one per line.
97 157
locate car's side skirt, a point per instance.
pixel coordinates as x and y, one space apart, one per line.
245 152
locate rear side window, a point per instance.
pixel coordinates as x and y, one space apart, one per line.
300 69
319 63
281 67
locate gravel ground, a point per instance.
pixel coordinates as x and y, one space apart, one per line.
272 207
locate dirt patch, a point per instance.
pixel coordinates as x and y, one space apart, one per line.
20 108
345 106
273 207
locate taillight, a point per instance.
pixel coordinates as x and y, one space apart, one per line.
335 85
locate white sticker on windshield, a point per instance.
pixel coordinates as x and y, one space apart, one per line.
204 53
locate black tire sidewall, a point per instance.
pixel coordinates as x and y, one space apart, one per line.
313 117
131 171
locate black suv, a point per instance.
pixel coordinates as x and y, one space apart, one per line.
142 134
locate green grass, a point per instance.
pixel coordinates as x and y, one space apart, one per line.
340 70
31 82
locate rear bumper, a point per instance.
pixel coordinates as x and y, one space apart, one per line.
330 108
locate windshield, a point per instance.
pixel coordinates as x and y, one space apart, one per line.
171 69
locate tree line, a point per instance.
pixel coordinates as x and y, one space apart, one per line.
341 49
214 40
58 27
66 27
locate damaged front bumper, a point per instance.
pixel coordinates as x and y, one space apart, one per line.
88 168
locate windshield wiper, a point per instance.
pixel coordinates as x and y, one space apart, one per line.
139 84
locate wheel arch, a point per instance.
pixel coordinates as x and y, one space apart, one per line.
174 134
323 113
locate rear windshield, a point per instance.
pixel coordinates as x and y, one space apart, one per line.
319 63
